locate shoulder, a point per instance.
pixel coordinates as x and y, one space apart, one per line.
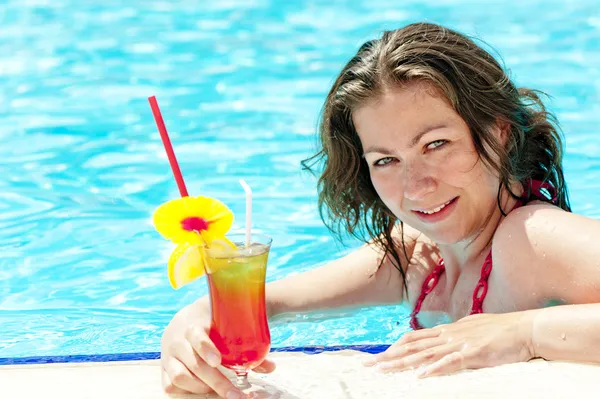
541 223
524 235
399 254
542 247
528 219
419 247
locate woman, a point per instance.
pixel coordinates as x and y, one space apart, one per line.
456 176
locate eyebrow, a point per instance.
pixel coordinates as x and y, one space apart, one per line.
412 143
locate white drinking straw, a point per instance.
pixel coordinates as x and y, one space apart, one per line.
248 210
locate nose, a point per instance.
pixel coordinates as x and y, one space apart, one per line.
418 182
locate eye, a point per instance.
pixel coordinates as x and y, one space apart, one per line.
434 145
383 161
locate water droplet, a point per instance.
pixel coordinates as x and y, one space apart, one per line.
563 336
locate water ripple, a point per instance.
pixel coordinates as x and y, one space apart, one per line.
241 84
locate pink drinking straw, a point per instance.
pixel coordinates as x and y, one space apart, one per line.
168 147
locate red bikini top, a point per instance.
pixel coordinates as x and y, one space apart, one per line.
481 288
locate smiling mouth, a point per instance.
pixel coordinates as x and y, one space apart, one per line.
436 209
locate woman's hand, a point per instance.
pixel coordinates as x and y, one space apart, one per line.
189 359
476 341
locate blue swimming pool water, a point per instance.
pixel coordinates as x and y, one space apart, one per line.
240 83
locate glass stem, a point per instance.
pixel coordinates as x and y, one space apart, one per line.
242 380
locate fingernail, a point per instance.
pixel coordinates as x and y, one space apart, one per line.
233 395
213 360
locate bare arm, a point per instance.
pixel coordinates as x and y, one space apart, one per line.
570 332
558 261
351 281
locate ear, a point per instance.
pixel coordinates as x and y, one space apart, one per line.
502 130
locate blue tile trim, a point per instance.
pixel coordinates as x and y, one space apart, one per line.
119 357
311 350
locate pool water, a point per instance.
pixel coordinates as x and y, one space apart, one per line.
240 84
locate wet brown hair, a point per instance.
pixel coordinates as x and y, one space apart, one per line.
473 83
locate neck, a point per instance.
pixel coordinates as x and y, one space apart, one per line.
473 250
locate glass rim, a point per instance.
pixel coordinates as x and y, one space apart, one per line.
239 239
242 234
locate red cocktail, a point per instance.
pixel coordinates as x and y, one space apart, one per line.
236 279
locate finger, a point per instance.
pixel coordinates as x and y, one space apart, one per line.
419 334
203 346
450 363
267 366
407 338
210 376
400 351
169 387
177 377
413 361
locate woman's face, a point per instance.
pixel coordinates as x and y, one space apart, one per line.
423 163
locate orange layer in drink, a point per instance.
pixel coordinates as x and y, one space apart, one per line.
239 319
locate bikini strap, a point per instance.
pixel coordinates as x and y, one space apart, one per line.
428 286
535 187
482 286
433 278
486 269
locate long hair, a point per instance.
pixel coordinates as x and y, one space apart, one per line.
477 88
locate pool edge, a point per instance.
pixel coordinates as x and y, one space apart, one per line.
120 357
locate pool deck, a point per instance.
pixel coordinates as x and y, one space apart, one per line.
326 375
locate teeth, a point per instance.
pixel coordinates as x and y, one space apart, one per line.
435 210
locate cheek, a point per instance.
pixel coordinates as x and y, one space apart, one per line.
462 168
387 186
379 183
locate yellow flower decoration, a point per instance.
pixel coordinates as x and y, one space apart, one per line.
193 220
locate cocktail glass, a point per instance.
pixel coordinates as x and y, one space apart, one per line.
236 279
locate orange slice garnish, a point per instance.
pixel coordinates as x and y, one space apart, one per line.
186 264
